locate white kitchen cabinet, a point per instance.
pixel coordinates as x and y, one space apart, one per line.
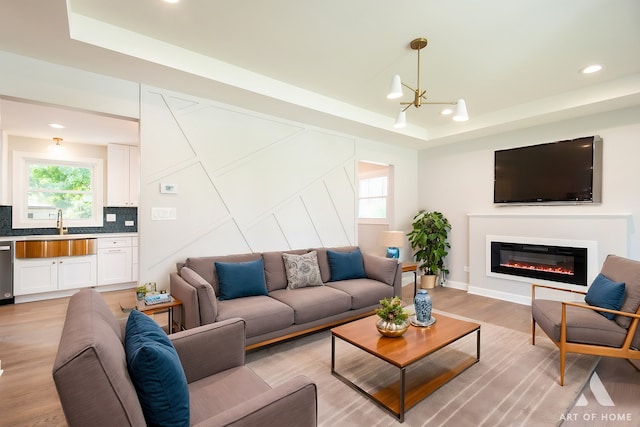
123 171
77 272
33 276
115 260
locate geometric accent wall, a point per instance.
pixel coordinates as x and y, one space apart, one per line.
246 182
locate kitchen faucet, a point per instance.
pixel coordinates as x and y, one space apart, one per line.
59 225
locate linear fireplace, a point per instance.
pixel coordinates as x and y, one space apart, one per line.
540 261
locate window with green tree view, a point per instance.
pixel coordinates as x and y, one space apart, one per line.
53 187
42 186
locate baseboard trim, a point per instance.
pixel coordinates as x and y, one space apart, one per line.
504 296
456 285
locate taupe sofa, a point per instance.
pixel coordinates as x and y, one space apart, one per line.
283 312
95 388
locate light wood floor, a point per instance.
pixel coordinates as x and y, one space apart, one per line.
30 332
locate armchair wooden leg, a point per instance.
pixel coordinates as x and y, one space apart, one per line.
533 332
562 357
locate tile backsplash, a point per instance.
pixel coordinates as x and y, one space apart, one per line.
118 226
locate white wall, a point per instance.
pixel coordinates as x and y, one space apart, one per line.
247 182
458 180
262 168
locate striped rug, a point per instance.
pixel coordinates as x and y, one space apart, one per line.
513 384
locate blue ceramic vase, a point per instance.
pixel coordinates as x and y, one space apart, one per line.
423 305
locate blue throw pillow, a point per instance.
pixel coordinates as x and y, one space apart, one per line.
241 279
346 265
156 373
605 293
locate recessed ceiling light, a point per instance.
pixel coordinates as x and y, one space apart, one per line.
171 1
591 69
446 111
56 125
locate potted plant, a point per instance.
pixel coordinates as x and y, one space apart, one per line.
392 320
141 292
428 238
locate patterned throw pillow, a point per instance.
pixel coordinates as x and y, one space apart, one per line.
302 270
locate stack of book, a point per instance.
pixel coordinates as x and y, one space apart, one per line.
157 299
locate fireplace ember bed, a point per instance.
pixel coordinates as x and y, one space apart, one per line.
545 262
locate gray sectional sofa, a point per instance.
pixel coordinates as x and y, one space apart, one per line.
291 300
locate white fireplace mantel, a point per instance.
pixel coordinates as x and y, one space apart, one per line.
605 233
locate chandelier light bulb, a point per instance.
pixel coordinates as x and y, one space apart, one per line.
461 114
401 120
396 88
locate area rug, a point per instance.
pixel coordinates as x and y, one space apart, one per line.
514 383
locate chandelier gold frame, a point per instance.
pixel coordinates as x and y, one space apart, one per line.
419 95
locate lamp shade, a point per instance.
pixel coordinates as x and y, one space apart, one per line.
396 88
401 120
461 111
393 239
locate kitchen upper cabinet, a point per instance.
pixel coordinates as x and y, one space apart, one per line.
123 174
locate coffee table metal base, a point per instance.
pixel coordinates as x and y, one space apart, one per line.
399 397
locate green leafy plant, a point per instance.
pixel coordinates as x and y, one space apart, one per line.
428 238
392 310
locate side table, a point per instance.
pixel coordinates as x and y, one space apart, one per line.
408 267
150 310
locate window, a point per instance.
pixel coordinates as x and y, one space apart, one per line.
42 186
373 198
373 192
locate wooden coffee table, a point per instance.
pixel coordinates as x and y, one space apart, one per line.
402 352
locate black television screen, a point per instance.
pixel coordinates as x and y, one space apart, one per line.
556 172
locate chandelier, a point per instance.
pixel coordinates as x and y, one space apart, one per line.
419 96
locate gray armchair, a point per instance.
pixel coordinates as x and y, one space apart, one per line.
93 383
577 327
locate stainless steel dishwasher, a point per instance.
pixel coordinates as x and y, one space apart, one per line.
6 273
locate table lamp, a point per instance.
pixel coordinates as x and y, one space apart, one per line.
392 240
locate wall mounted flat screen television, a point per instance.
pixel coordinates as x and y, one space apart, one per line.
562 172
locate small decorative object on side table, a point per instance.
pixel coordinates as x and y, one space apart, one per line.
141 292
392 320
423 305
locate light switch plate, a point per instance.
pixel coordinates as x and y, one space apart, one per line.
163 214
111 217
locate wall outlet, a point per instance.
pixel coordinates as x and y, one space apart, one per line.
466 269
128 223
111 217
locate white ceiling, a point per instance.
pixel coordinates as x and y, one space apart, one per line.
329 63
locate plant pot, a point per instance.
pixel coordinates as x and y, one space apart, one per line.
390 329
428 281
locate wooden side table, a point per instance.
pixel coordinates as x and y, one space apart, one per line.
408 267
150 310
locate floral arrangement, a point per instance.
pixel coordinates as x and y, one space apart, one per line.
392 310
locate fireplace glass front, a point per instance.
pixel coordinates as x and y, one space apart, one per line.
553 263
